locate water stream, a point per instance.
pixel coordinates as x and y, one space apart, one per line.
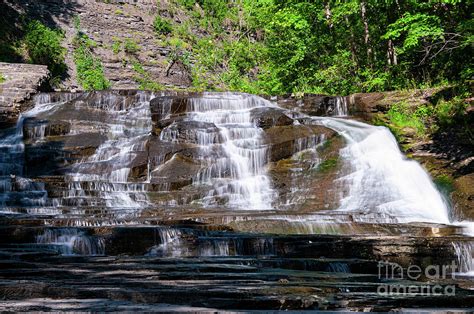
381 179
218 137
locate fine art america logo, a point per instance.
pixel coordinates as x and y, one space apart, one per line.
388 271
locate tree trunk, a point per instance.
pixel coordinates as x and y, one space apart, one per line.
391 53
363 10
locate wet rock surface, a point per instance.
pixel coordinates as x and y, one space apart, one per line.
124 202
200 266
316 105
446 153
270 117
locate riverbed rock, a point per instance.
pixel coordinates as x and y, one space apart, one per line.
267 117
315 105
284 141
192 132
33 128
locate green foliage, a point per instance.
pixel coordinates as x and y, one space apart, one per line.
90 73
444 183
144 80
188 4
2 78
403 116
116 45
44 47
130 46
215 10
162 26
328 164
275 46
448 112
414 28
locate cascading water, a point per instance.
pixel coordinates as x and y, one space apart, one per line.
237 176
121 123
107 170
233 157
72 242
14 187
164 186
170 243
381 180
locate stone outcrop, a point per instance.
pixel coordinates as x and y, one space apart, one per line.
463 197
269 117
21 82
109 23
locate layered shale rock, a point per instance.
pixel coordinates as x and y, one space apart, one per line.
109 24
128 200
21 82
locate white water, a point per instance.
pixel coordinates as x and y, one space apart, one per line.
72 241
127 131
381 179
170 244
233 159
465 261
238 177
12 149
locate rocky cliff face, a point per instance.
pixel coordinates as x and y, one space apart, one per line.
21 82
108 23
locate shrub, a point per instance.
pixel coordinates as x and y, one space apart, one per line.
131 46
89 70
2 78
328 164
116 46
44 47
447 112
162 26
402 116
90 73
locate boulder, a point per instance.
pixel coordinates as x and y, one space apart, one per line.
177 172
315 105
267 117
284 141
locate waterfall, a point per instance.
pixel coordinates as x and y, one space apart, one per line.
341 107
221 132
170 244
72 241
465 261
237 176
381 179
14 187
107 170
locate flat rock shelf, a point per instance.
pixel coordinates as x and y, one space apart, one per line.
188 202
